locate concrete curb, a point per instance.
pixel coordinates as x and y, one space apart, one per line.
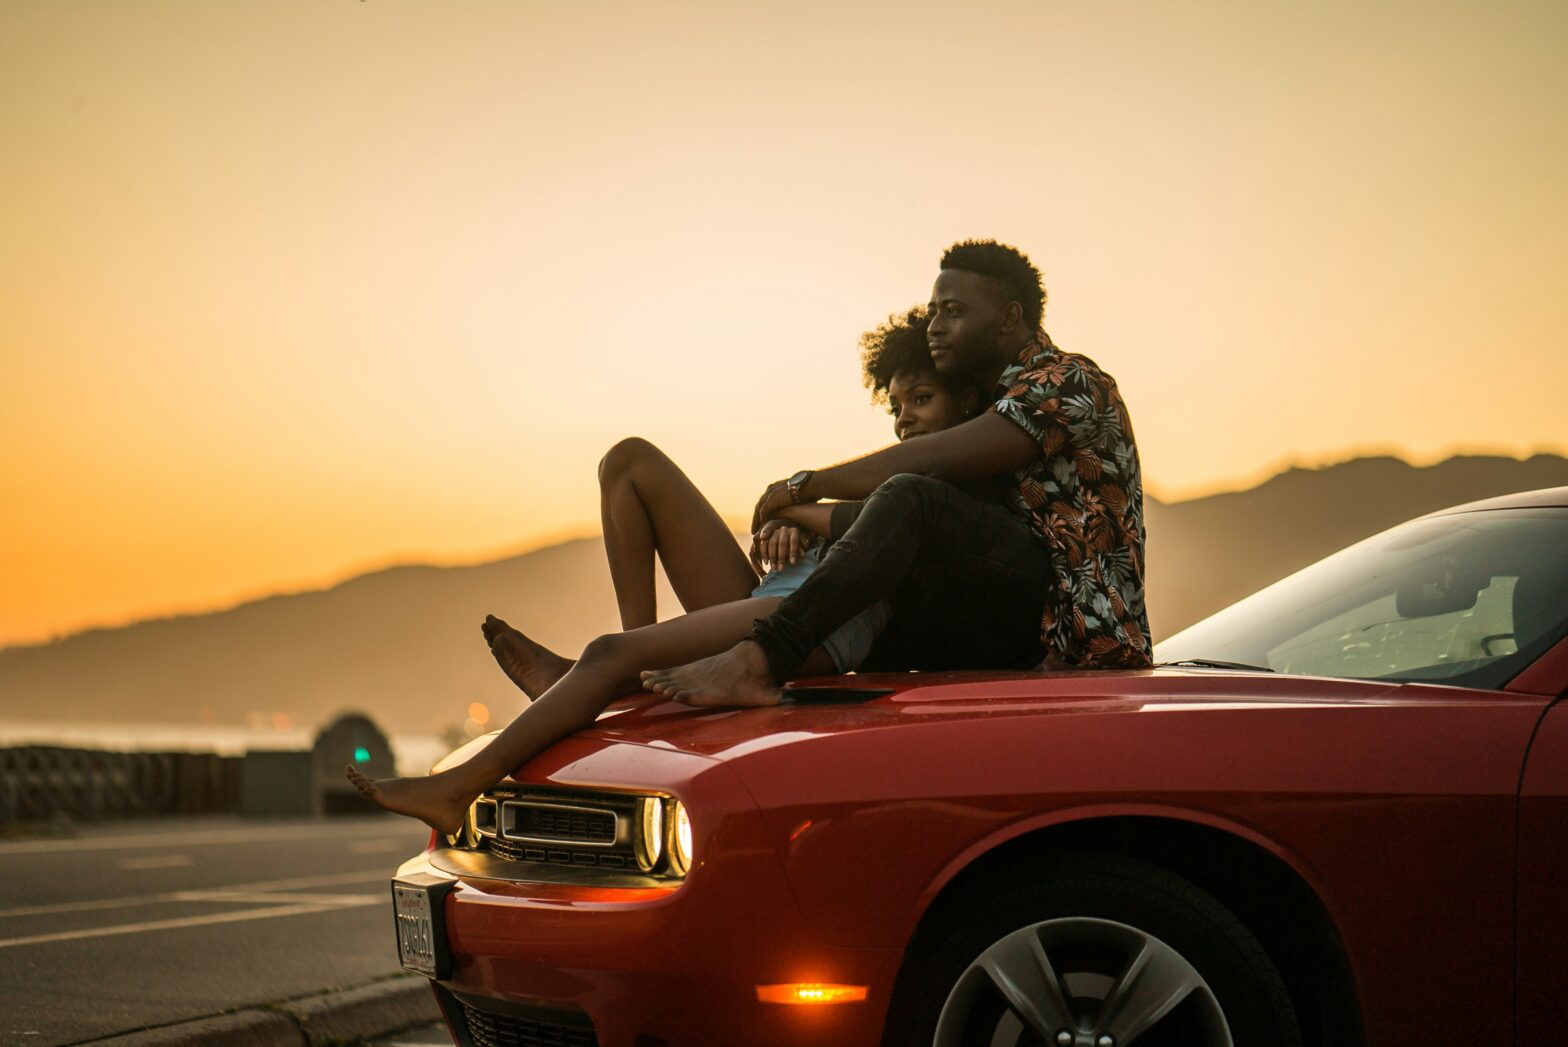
365 1013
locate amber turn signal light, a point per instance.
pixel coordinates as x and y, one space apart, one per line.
811 992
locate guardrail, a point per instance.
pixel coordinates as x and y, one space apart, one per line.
43 782
39 782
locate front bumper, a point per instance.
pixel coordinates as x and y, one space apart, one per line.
656 966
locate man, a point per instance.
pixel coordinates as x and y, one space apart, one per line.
1054 576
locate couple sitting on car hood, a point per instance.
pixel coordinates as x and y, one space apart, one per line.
1003 531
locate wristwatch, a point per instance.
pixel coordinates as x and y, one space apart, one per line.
796 483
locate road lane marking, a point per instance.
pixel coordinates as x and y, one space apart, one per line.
202 837
325 880
258 898
155 861
295 883
187 921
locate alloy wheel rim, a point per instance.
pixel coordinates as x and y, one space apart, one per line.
1081 982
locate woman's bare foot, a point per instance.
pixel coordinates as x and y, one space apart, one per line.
531 666
440 801
738 677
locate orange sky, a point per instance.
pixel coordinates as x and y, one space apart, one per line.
292 288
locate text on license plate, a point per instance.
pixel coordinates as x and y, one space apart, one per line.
416 940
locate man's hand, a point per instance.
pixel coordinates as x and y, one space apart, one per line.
776 497
778 544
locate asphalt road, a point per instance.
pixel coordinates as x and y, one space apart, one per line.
425 1036
126 926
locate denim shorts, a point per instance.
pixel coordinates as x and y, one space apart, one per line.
849 644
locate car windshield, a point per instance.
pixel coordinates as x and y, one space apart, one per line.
1467 599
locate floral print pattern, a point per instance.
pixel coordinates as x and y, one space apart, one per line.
1084 497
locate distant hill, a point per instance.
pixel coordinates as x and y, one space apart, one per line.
403 644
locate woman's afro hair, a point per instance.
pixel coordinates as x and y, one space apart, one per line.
897 347
1008 266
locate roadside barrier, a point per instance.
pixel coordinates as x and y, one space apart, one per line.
43 782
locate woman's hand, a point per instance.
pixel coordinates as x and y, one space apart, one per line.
778 543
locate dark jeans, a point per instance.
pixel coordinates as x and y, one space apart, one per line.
966 578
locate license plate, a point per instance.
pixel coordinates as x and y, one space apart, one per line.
417 907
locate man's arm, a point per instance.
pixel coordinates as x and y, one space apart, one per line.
983 446
980 447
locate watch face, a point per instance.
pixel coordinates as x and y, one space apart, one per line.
798 479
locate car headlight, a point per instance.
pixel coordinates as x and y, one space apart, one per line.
466 835
680 838
650 835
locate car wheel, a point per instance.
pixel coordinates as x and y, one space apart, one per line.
1092 951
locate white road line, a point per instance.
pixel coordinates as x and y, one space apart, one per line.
155 861
259 898
326 880
296 883
167 925
201 837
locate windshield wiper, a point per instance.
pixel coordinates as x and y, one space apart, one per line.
1215 663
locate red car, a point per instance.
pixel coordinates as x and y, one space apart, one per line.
1336 814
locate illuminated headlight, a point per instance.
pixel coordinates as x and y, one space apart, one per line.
650 835
471 826
466 835
680 838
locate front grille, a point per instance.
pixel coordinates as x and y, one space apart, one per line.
509 1030
525 852
571 829
562 823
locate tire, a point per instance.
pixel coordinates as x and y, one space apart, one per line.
980 974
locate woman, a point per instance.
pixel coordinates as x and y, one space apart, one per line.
650 508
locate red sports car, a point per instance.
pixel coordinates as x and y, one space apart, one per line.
1335 814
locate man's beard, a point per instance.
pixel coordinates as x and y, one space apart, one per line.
978 359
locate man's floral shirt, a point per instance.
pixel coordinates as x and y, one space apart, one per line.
1084 496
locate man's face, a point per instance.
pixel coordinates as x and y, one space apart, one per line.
966 321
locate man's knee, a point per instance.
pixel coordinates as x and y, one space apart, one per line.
911 488
625 456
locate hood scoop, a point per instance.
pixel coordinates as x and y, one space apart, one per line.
834 695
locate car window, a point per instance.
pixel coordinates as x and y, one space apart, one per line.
1373 640
1469 598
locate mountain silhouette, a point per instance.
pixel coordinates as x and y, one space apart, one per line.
403 643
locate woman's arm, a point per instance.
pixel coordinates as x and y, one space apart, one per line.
816 517
781 540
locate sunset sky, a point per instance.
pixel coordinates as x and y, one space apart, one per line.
293 289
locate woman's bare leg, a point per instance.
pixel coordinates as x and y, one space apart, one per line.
607 670
649 506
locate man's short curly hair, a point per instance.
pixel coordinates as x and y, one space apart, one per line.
897 347
1008 266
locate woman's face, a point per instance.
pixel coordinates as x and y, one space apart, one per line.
920 404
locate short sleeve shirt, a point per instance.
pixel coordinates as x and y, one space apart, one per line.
1084 497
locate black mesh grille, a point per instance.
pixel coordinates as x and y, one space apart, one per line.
524 852
506 1030
583 826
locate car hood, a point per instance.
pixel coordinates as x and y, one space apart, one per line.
838 705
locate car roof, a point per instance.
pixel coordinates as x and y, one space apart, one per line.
1544 498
